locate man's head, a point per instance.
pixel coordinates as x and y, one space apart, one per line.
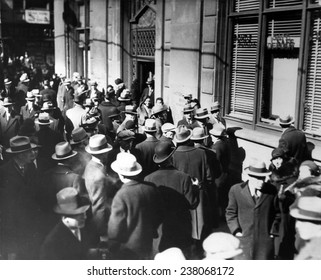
257 173
125 139
22 150
99 147
307 212
126 166
168 130
285 121
215 109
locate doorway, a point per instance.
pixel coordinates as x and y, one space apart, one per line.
143 71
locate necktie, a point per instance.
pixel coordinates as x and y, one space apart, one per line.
257 195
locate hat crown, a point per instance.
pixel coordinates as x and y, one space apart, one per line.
89 103
125 94
221 243
68 202
125 135
187 108
47 106
150 124
217 130
286 119
24 77
130 109
168 127
19 143
30 94
257 168
163 149
183 133
7 101
198 132
78 134
158 108
216 106
310 206
44 117
126 163
62 150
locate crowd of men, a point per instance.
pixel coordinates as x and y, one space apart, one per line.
94 174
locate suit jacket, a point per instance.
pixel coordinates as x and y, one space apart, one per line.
293 142
107 109
193 161
101 189
178 197
256 220
23 223
20 96
75 117
8 129
61 244
26 114
135 216
147 150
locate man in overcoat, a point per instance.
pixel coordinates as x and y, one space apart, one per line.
179 196
251 214
136 212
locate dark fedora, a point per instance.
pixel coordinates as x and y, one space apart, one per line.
125 135
63 151
163 151
118 81
201 113
257 168
182 134
286 120
19 144
69 202
78 135
307 208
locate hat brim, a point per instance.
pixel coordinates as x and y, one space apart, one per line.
188 111
25 81
155 113
114 166
7 104
199 138
294 212
54 156
8 83
40 123
122 99
256 174
224 255
105 150
72 142
149 130
286 123
202 117
183 140
30 98
79 210
129 112
160 160
9 150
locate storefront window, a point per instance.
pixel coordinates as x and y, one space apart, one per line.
280 69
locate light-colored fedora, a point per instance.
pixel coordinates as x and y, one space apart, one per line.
257 168
201 113
63 151
286 120
30 96
98 145
198 134
24 78
307 208
43 119
150 125
182 134
68 202
78 135
166 127
126 164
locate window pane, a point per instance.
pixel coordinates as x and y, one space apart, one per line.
284 3
246 5
243 71
280 69
312 114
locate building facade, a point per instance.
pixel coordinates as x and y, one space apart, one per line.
259 58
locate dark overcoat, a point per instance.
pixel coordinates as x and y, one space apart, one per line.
193 161
293 142
178 196
26 114
136 213
256 221
8 128
61 244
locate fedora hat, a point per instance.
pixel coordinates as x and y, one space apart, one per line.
182 134
78 135
125 95
286 120
36 92
217 130
47 106
118 81
126 164
67 82
19 144
150 125
221 246
188 108
63 151
201 113
88 103
24 78
130 109
7 81
187 95
198 134
257 168
43 119
125 135
68 202
98 145
149 81
307 208
30 96
158 109
166 127
215 107
163 151
7 101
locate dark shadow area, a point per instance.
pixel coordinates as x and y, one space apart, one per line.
311 147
